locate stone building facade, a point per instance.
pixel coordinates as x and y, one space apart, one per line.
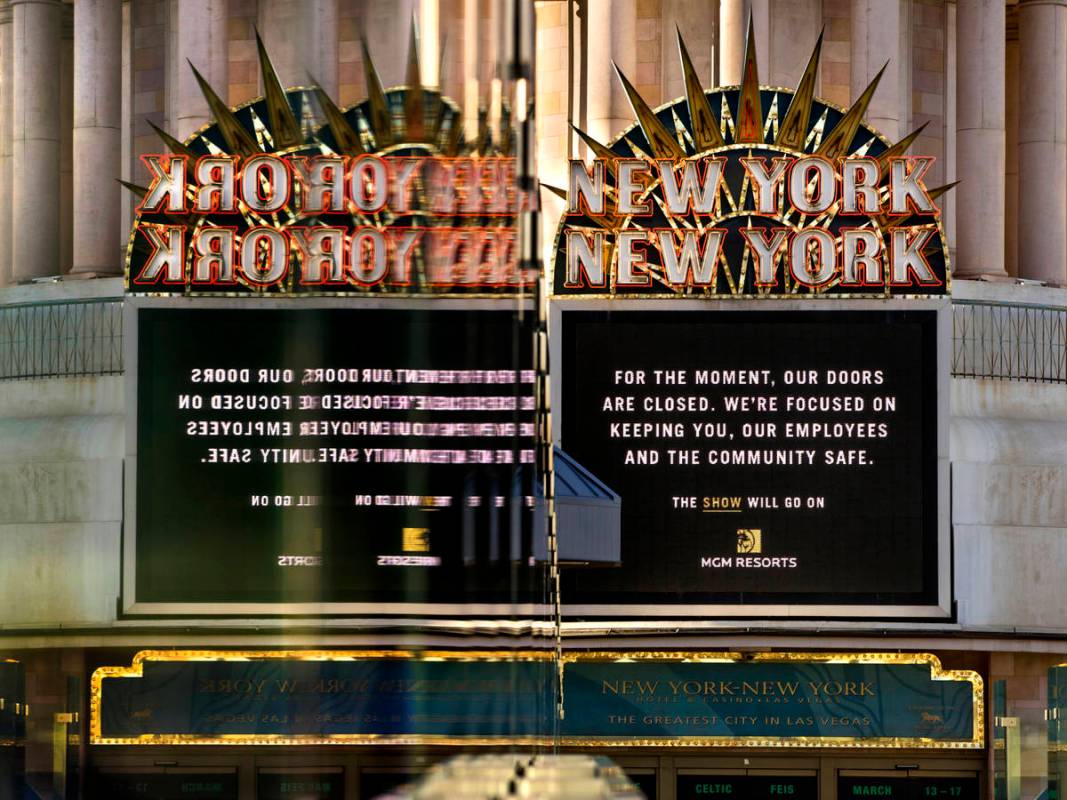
84 84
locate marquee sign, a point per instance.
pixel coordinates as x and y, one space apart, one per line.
290 194
750 191
774 459
664 699
365 454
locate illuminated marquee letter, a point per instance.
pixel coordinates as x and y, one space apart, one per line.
631 259
265 183
214 248
369 184
766 182
632 172
822 242
322 253
819 172
585 186
859 186
367 253
906 187
168 246
402 242
907 258
861 258
405 170
264 256
692 264
766 251
691 189
323 180
216 179
585 257
168 185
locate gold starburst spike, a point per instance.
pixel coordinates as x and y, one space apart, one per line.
381 124
794 127
609 221
413 111
344 135
888 221
599 150
838 140
706 133
749 106
284 127
438 120
661 141
140 191
176 147
898 149
238 140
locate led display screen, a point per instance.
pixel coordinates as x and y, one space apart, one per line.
331 455
771 458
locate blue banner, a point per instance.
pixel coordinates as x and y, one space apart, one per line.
817 702
609 699
302 699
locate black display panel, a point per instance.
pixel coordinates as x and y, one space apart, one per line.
332 456
373 784
647 782
907 788
300 786
747 787
773 458
106 785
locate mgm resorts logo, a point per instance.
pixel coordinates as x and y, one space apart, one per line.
413 540
749 543
749 540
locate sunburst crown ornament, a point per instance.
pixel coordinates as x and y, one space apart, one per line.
672 205
445 223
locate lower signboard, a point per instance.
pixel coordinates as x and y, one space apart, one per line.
163 784
773 461
908 788
751 787
610 699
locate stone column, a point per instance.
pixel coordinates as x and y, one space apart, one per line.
66 139
1043 140
388 26
879 36
472 67
6 210
97 134
980 57
1011 154
301 39
733 36
430 42
35 139
199 37
696 21
795 26
612 26
320 60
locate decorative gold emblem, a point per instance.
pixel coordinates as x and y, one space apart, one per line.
749 540
416 540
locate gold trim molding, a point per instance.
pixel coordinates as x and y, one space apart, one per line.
937 673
